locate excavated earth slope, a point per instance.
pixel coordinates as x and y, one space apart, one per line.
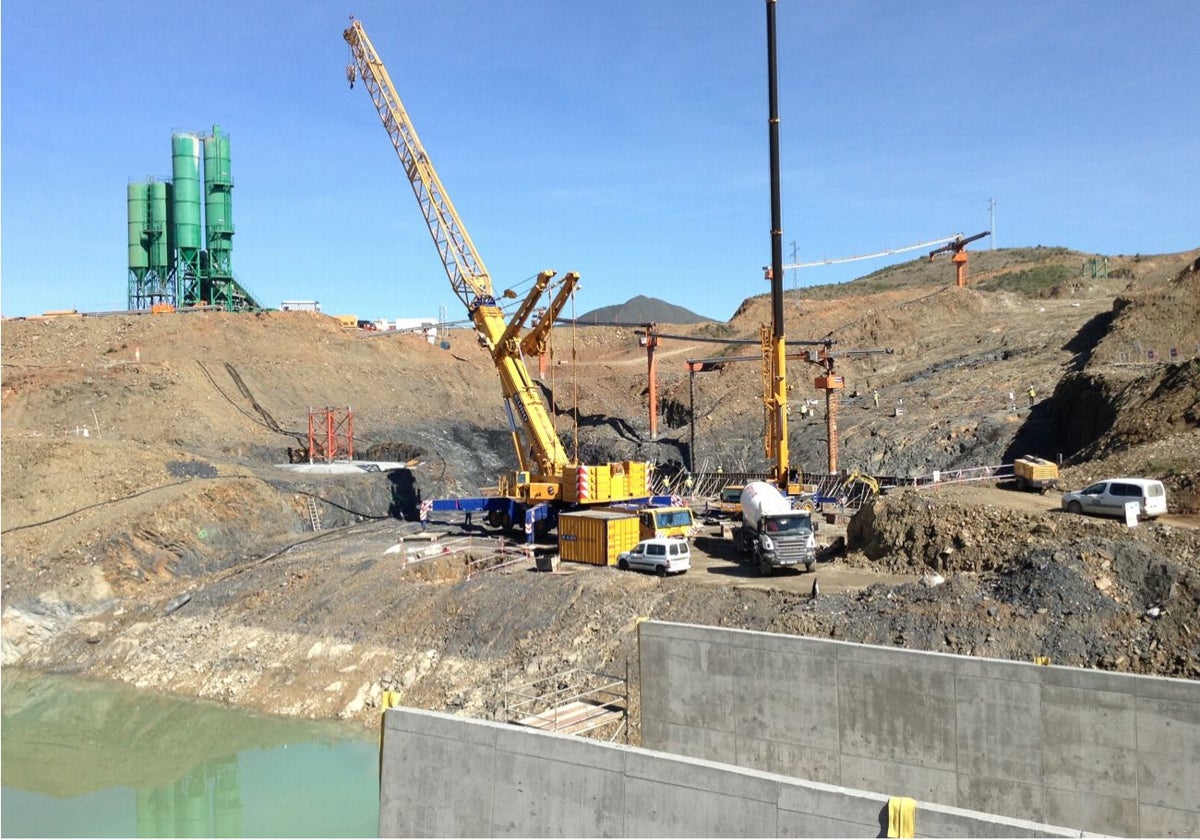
149 537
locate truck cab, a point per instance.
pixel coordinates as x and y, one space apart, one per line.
728 503
665 522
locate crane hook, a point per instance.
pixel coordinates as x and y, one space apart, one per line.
351 74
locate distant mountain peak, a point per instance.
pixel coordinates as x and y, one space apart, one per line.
642 310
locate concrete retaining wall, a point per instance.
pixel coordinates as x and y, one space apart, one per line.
446 776
1110 753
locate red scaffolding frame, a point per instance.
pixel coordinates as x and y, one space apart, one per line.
330 434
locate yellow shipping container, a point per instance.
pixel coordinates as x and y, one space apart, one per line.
596 536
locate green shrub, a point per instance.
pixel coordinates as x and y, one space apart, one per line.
1029 281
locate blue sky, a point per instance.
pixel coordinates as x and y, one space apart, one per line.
623 139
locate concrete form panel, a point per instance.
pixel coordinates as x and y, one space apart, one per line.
1095 729
768 685
845 805
999 729
663 810
812 811
705 776
434 755
896 712
706 702
694 741
875 655
1168 737
808 825
794 760
927 784
536 796
1154 821
1107 814
1002 796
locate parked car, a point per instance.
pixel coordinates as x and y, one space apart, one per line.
1108 497
659 555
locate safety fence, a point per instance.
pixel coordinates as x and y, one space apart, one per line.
478 555
966 475
572 702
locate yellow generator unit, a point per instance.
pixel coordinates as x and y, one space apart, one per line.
1032 473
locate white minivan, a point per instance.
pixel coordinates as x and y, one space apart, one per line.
1108 497
659 555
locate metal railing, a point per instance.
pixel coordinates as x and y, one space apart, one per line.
480 555
965 475
576 701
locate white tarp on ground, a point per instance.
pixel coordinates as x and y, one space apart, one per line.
343 467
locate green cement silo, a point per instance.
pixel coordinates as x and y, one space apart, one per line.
159 227
139 255
150 245
185 203
218 205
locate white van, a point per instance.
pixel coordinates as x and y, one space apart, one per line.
1108 497
659 555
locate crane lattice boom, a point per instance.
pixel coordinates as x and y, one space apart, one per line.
545 473
468 276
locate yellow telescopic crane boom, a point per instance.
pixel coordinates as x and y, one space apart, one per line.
545 473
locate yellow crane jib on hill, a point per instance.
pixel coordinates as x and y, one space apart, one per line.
545 472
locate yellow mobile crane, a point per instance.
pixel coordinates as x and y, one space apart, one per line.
546 478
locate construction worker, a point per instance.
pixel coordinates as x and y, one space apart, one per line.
875 397
1032 395
804 410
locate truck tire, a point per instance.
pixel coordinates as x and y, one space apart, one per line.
808 567
623 565
661 571
764 567
1075 507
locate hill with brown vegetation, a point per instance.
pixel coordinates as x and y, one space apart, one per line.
149 536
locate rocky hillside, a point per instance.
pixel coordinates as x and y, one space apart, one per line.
148 535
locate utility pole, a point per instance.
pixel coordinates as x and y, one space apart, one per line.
992 226
795 269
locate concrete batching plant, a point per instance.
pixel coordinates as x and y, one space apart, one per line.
178 256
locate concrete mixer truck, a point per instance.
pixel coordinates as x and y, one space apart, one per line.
772 533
